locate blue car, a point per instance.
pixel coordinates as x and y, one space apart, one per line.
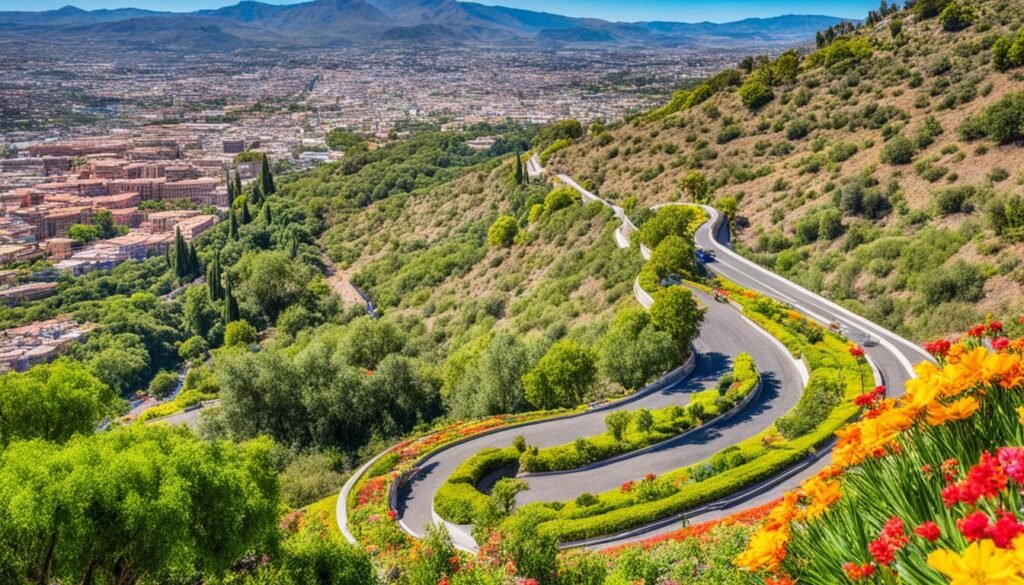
705 256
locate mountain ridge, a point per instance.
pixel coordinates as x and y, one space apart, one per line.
254 23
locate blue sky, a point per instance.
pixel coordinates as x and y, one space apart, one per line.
623 10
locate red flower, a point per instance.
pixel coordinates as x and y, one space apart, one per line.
882 551
627 487
1021 320
855 572
1005 529
973 526
938 348
392 514
950 495
1000 343
864 399
984 480
1012 460
650 477
928 531
995 326
927 469
977 331
857 351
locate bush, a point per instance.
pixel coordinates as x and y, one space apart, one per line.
954 200
824 392
163 384
798 129
959 282
560 198
503 232
1002 121
755 94
239 333
957 17
458 500
898 151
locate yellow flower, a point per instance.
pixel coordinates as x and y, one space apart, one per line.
939 414
766 550
1020 415
981 564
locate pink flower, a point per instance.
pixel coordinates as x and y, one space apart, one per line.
973 526
1000 343
1012 460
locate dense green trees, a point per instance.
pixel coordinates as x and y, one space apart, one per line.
634 351
320 393
672 220
485 377
53 402
673 255
562 377
676 312
140 504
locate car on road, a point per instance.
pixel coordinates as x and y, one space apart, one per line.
672 280
705 256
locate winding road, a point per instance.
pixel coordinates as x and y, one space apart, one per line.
725 334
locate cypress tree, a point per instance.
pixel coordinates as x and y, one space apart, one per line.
230 304
233 225
257 195
238 184
266 178
181 268
246 216
193 261
294 250
519 169
267 219
213 278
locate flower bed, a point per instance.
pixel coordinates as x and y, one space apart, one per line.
921 490
371 520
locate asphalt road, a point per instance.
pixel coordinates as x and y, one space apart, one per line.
725 334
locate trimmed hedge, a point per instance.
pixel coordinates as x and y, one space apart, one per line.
458 500
668 423
690 496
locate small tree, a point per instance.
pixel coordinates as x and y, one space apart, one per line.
503 232
519 442
677 313
505 491
644 420
755 94
898 151
239 333
697 186
617 422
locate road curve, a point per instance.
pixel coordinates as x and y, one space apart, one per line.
725 334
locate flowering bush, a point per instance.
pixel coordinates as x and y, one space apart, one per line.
924 489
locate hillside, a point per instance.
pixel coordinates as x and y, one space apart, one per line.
853 169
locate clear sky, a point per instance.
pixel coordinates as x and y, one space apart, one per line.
620 10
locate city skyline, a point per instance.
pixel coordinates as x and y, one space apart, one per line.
612 10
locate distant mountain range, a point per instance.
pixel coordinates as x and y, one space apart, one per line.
338 22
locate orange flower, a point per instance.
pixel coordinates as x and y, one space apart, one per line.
766 550
961 409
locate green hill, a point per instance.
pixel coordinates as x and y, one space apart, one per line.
882 170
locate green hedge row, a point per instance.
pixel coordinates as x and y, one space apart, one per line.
689 496
458 500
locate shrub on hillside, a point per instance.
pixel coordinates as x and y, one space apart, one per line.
957 16
755 94
1002 121
503 232
898 151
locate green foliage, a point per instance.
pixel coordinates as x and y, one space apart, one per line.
956 16
458 500
617 422
53 402
898 151
240 333
86 510
676 312
1003 121
673 255
560 198
162 384
755 94
633 351
342 139
503 232
487 380
824 392
672 220
841 54
315 556
562 378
